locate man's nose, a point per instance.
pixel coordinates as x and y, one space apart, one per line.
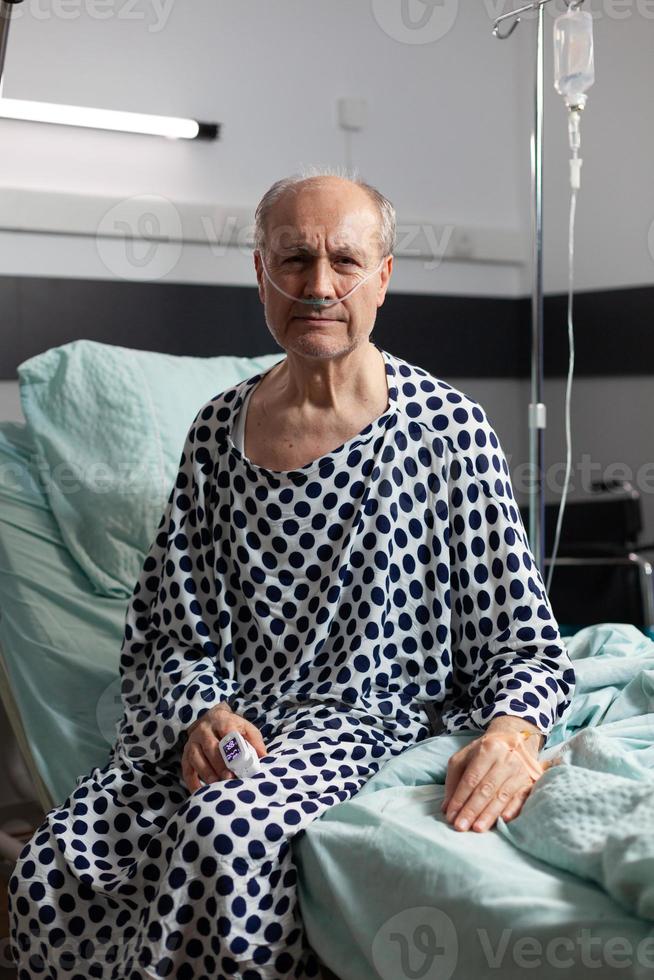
319 281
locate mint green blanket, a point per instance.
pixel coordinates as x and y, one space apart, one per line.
388 889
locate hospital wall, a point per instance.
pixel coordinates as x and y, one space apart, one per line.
447 133
271 74
447 137
615 210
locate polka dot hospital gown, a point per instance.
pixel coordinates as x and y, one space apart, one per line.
329 604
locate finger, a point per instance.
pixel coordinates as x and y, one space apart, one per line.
255 738
516 804
508 767
190 776
221 722
245 728
485 790
199 762
455 769
475 775
210 746
224 772
502 799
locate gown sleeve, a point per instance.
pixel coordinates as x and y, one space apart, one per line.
507 653
172 669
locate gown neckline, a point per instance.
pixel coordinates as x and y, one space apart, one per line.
300 473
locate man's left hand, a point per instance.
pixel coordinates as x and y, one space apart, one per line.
488 779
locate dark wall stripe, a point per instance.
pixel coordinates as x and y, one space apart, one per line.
614 332
456 336
453 336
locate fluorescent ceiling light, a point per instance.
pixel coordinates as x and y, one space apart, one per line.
126 122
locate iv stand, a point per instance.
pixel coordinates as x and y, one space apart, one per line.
537 409
6 8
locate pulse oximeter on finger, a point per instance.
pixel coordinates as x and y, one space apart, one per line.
238 755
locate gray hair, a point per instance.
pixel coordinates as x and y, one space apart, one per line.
387 220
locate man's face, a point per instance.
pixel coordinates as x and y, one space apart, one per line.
322 239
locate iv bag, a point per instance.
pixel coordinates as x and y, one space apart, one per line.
574 67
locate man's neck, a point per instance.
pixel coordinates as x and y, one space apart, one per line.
331 389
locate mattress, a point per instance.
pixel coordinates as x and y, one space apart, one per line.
59 640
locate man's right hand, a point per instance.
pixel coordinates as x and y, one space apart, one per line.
201 759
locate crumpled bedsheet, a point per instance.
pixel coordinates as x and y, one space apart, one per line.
388 887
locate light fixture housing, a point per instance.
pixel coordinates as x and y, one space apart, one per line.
171 127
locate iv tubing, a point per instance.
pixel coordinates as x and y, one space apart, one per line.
571 343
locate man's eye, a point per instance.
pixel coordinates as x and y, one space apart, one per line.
345 260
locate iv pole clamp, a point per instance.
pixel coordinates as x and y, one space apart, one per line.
6 9
514 16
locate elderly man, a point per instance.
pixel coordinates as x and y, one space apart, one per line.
341 551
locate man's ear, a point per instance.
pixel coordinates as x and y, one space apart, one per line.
258 266
385 276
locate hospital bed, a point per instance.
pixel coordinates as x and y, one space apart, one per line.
387 888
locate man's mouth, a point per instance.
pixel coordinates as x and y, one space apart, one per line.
319 319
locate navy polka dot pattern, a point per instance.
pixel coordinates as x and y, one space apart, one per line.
328 604
133 877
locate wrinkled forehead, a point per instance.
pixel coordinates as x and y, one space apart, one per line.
318 223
